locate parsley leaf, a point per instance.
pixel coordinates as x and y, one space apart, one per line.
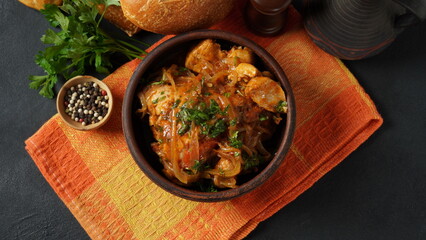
111 2
155 101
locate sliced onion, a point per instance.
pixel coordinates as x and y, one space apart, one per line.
180 175
195 145
143 110
222 182
262 150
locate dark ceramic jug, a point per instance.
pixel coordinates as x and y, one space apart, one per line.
356 29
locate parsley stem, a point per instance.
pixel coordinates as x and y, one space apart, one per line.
75 63
140 42
127 52
122 46
131 46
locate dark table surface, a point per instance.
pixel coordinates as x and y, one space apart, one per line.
378 192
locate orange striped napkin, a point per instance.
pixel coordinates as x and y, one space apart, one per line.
95 176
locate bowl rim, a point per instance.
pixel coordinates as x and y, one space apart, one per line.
162 181
61 109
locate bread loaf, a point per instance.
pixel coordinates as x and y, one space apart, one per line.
39 4
115 15
175 16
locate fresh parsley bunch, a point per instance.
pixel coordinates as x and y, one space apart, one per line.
80 43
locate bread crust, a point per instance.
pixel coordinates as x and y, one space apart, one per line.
175 16
39 4
114 15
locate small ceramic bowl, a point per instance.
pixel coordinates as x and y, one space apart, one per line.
60 105
139 136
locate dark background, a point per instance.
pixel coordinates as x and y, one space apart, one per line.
378 192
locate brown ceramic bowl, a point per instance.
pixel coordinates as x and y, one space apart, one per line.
60 106
138 134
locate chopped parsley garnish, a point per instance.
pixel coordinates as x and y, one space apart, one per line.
252 161
263 117
205 116
197 166
218 128
206 186
155 101
200 166
158 82
183 129
233 122
281 106
190 114
176 103
214 108
161 81
188 171
234 141
227 94
181 71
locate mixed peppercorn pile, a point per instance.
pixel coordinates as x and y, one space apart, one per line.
86 103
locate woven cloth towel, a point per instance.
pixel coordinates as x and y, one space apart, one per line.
95 176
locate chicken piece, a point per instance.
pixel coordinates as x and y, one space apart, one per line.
114 14
241 55
246 69
243 71
204 57
225 164
158 99
267 93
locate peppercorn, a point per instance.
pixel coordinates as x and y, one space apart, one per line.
86 103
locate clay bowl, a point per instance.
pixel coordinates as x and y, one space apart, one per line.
138 134
60 106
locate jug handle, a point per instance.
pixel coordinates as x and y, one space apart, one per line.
416 12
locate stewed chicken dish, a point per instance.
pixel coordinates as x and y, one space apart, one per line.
211 116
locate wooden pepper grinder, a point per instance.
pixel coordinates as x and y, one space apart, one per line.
266 17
